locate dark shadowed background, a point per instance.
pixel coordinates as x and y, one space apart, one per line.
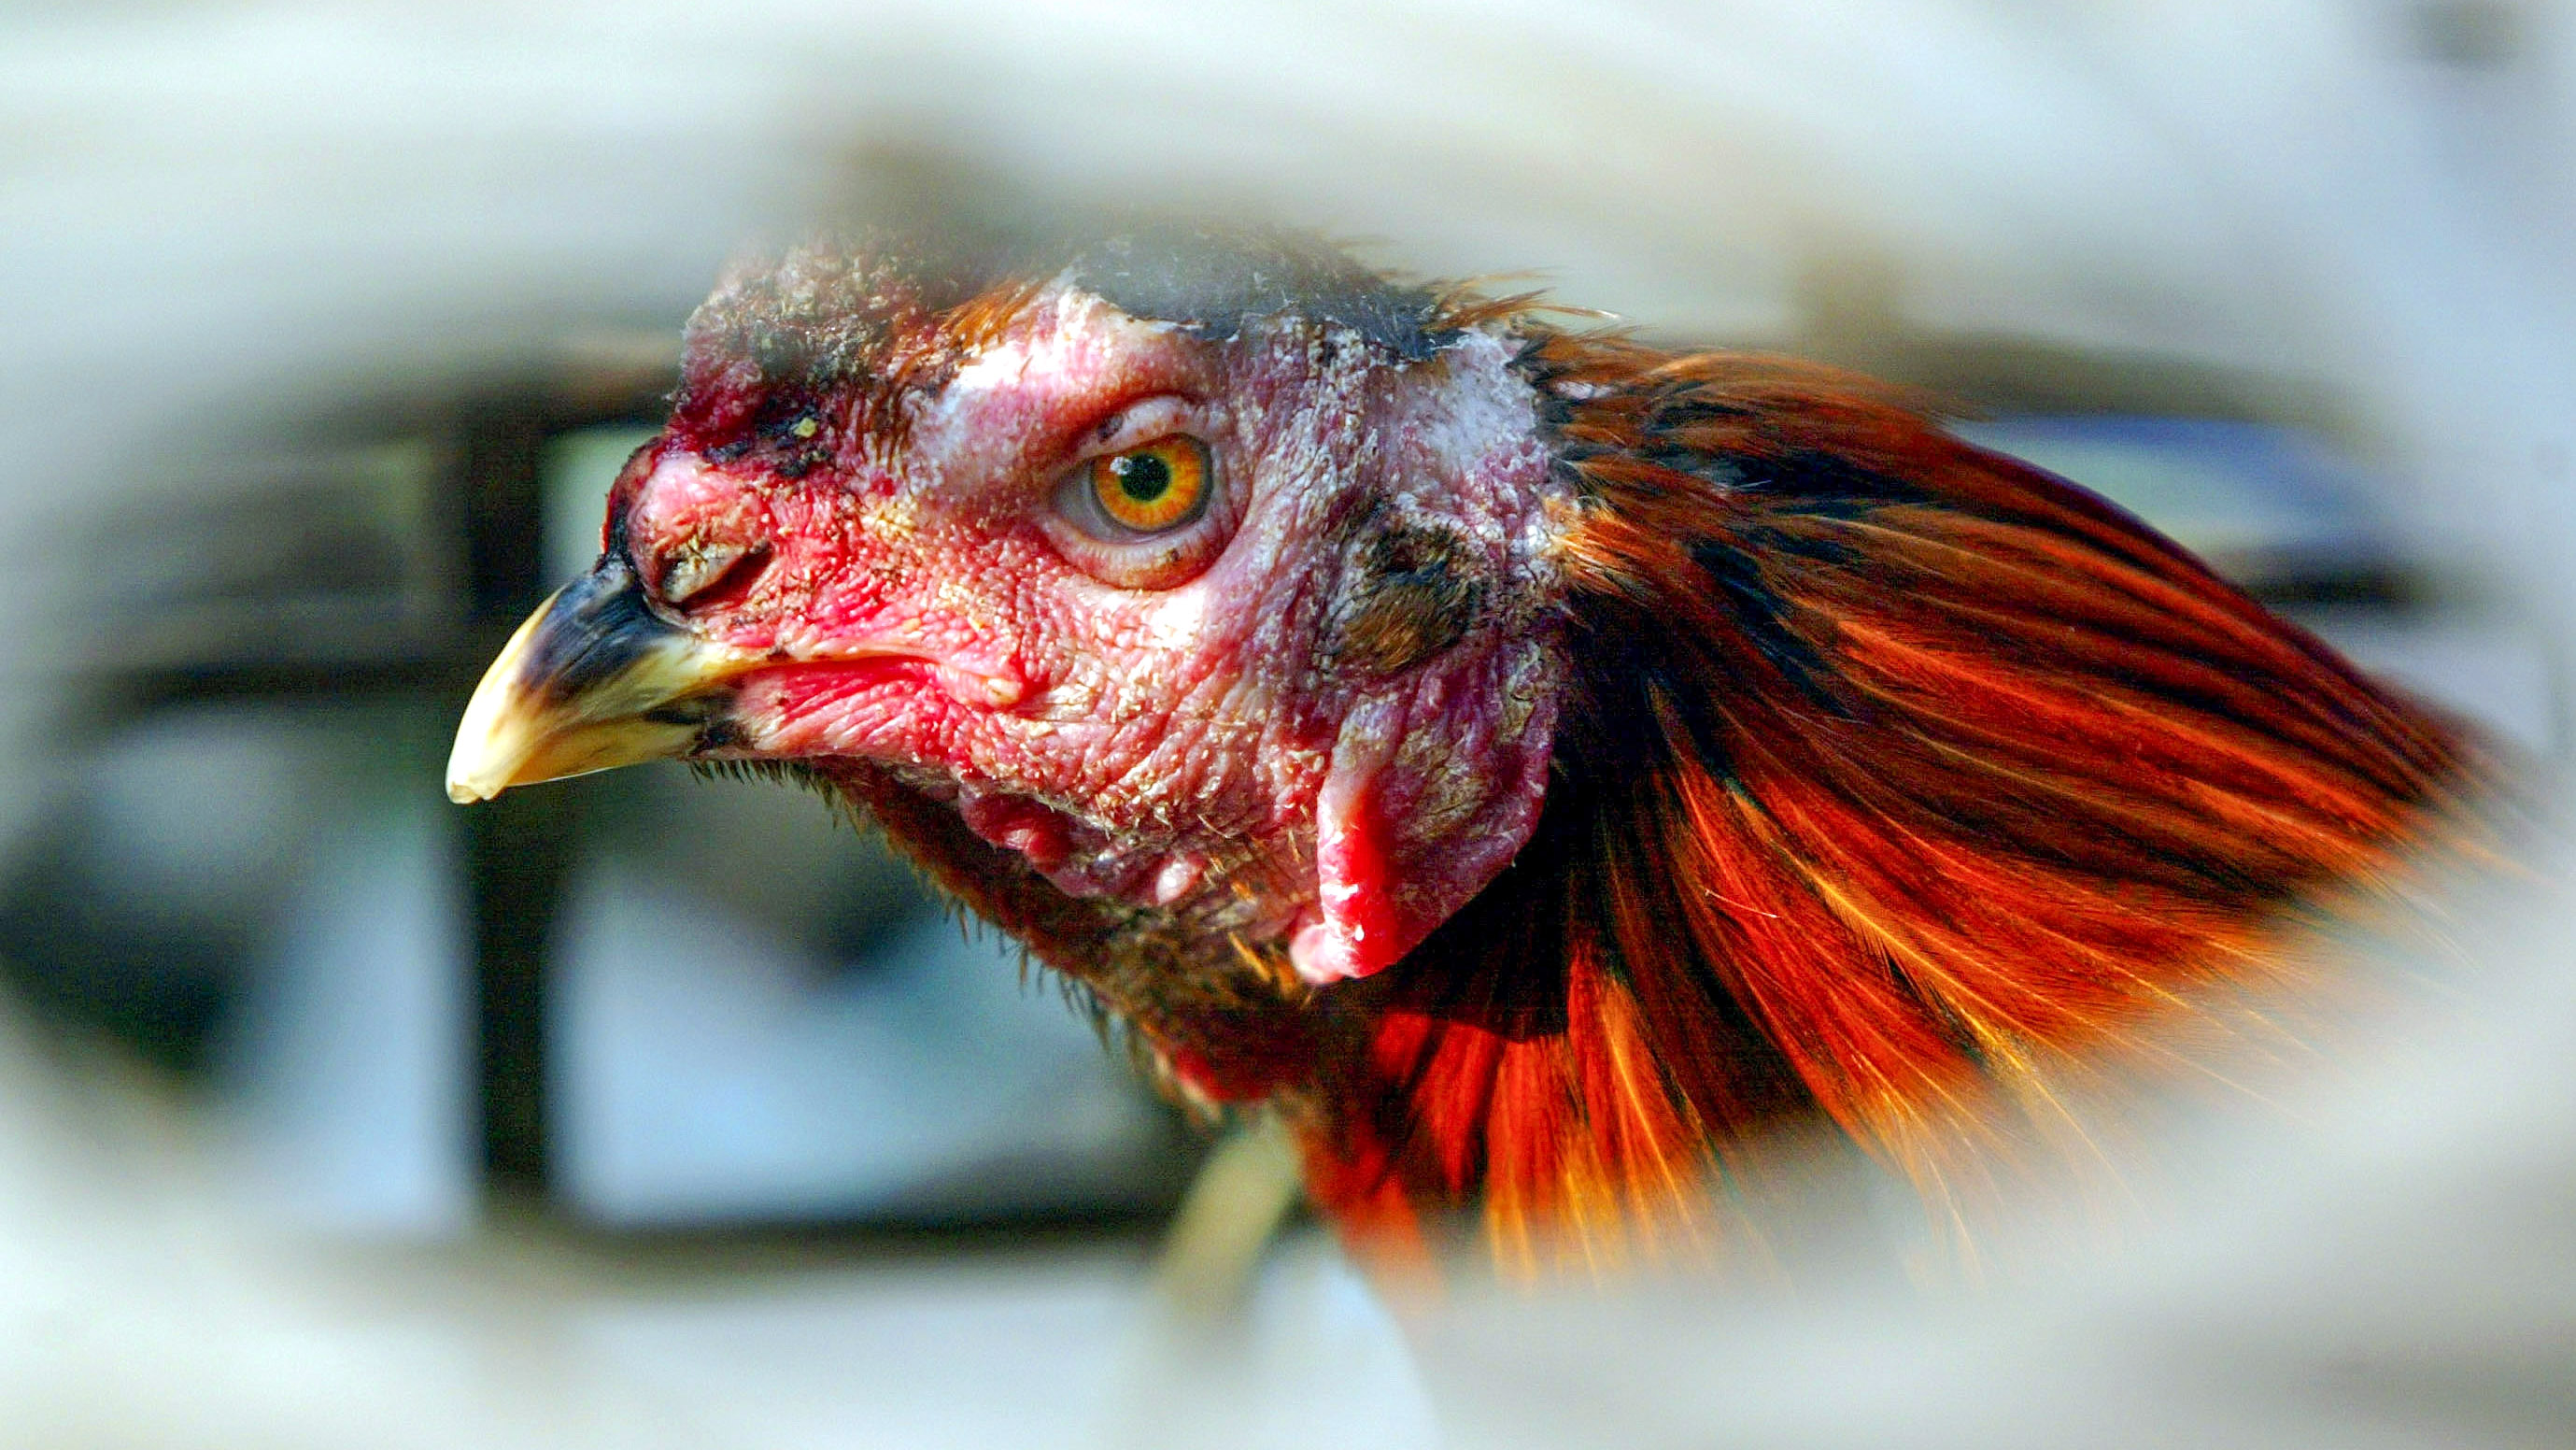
646 1111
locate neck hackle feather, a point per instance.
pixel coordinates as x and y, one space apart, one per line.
1897 776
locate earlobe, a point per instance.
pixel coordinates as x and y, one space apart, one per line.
1356 927
1423 805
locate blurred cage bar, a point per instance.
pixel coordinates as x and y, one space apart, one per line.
680 1006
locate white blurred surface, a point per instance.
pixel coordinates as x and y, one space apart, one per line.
209 213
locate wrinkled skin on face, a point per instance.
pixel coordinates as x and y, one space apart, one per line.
1308 724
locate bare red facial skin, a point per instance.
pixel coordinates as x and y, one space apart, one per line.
1320 721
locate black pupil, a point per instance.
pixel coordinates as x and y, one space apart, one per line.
1143 477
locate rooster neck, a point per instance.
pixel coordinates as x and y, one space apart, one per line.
1894 777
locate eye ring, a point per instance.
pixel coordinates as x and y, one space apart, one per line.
1153 488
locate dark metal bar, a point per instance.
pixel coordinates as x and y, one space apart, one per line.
519 848
518 851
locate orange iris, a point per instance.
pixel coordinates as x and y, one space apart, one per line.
1154 486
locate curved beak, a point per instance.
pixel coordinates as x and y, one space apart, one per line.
595 679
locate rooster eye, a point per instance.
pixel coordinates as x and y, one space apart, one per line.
1153 513
1152 488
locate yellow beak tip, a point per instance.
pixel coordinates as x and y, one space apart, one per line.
520 729
479 774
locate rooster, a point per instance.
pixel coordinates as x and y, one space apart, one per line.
1531 764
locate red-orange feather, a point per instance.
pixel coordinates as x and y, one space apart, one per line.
1895 772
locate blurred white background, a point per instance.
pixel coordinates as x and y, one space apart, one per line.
254 258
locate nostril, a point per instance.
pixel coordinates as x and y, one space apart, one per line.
701 569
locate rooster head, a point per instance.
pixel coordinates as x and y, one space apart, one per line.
1205 575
